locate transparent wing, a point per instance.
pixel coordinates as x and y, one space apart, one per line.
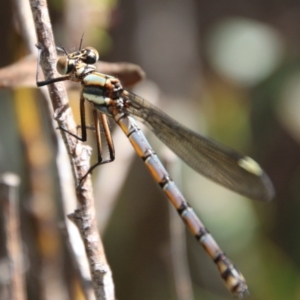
217 162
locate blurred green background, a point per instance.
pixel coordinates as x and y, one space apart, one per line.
227 69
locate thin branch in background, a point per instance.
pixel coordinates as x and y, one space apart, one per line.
19 74
13 289
84 217
129 74
22 73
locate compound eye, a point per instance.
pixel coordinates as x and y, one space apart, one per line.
65 65
91 55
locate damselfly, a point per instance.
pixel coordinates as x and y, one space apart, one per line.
224 166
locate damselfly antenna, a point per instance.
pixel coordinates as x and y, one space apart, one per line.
81 41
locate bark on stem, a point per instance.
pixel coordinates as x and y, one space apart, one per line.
84 216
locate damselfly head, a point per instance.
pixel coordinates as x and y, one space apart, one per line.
89 55
65 65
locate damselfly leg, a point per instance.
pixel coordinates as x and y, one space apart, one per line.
100 120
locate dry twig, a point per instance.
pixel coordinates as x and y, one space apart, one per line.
22 73
84 216
9 184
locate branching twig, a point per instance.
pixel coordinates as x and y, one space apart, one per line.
22 73
84 216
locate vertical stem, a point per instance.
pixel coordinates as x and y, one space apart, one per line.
84 216
9 202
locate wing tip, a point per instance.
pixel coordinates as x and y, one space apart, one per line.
267 189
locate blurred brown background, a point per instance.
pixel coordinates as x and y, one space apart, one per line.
227 69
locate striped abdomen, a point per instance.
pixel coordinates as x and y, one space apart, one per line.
234 280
